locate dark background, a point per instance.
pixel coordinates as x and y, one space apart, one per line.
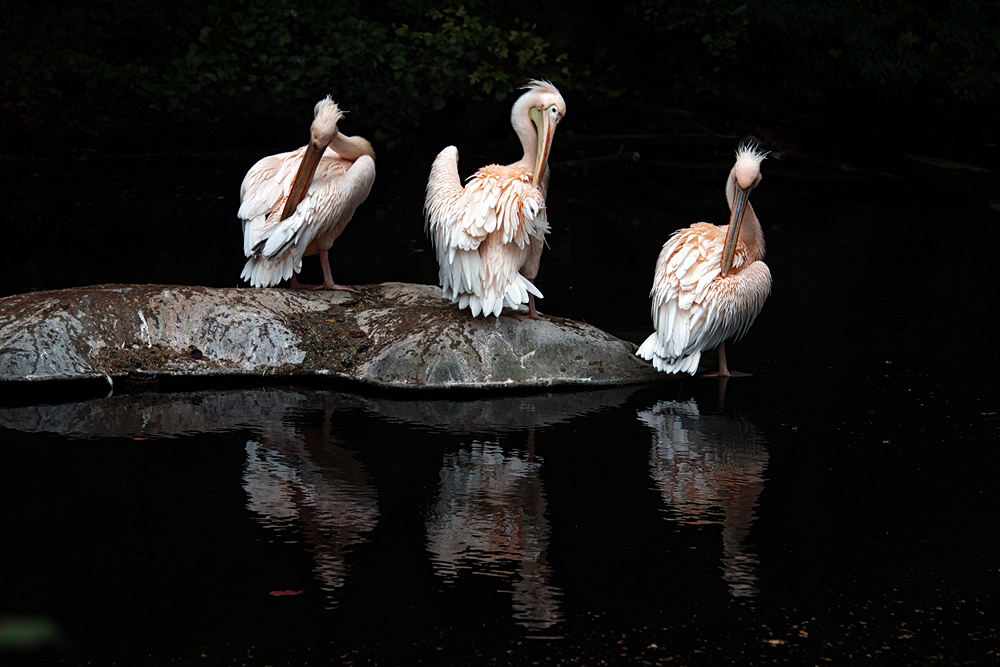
852 77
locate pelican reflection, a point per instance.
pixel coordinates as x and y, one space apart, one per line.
489 518
710 469
299 478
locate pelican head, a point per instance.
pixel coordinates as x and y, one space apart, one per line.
744 177
543 107
323 130
746 171
326 115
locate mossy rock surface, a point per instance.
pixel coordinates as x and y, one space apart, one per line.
395 335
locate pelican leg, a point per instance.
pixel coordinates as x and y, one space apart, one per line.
723 368
532 313
324 260
724 371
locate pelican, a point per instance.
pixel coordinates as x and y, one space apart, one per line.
710 283
316 189
489 235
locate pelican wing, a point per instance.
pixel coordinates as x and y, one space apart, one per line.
503 203
694 307
337 189
460 269
276 247
263 190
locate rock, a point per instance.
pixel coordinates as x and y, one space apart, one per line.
390 335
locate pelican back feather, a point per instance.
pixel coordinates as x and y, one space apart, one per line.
694 307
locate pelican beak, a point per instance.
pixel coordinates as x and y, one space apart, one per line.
733 233
546 130
303 178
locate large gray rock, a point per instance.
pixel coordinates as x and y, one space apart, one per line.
390 335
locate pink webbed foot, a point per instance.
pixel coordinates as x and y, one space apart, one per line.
342 288
295 284
324 260
724 371
727 374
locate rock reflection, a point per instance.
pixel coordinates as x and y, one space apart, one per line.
156 415
300 478
490 519
500 414
710 469
190 413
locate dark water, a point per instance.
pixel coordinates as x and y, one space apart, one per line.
838 506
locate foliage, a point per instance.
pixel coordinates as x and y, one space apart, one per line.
271 58
703 32
399 63
953 47
814 46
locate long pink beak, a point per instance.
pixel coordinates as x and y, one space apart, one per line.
303 179
546 130
733 233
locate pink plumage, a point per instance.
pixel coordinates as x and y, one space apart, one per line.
489 234
297 204
710 283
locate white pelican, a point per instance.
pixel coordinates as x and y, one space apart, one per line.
489 234
709 284
316 189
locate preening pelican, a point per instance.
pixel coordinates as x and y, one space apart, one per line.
489 235
316 189
710 283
